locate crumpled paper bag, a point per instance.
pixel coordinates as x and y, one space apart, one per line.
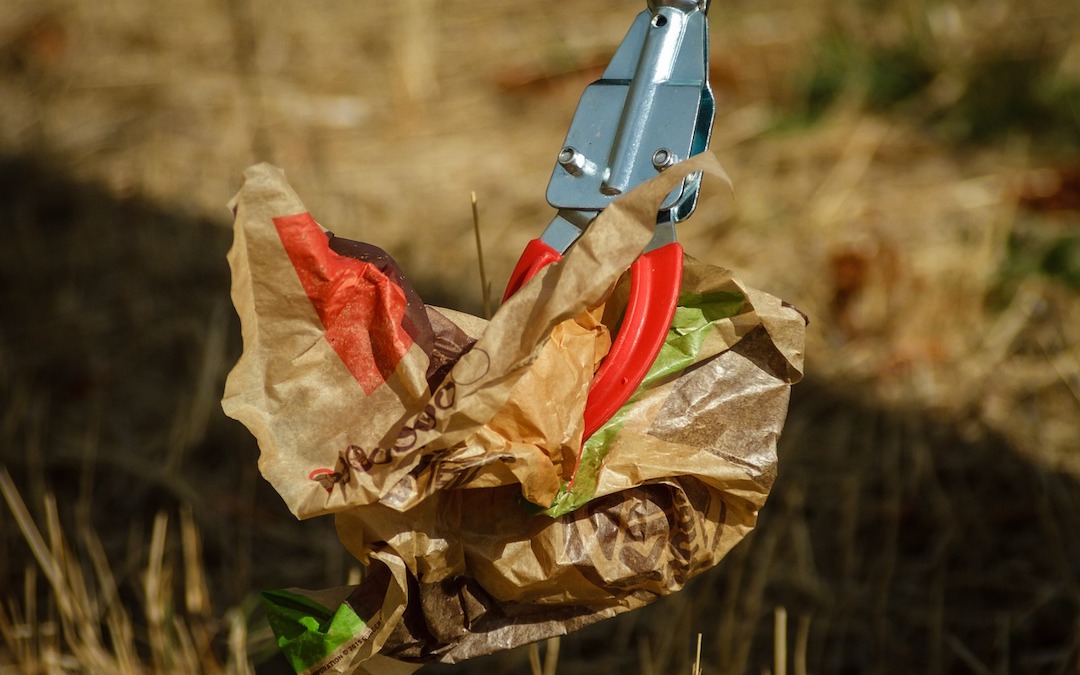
450 449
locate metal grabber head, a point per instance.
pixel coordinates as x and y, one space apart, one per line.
651 108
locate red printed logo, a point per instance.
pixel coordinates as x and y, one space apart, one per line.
361 310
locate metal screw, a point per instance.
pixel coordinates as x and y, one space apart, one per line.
662 159
572 160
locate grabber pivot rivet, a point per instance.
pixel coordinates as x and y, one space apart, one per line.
572 160
662 159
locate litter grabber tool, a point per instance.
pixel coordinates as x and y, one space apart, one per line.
652 107
441 442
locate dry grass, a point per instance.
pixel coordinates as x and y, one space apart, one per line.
89 628
903 174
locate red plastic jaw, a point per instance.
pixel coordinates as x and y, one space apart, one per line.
536 256
655 279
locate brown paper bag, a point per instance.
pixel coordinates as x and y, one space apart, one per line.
450 448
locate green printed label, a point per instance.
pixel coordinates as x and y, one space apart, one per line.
306 631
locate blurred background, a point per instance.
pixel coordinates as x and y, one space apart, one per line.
907 173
